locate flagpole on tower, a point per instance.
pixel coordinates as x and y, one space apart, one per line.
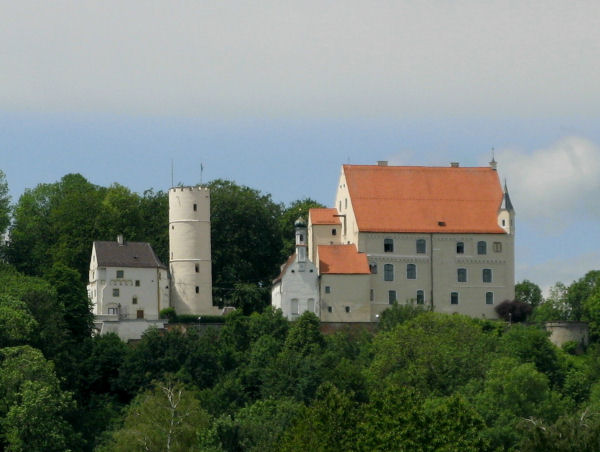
201 170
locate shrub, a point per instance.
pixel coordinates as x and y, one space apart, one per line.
514 311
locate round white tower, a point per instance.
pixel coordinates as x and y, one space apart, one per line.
189 250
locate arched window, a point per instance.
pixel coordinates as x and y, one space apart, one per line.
392 296
489 298
481 247
388 272
420 297
487 275
421 246
411 271
453 297
461 275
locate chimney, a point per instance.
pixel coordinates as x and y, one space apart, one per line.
120 239
382 163
454 164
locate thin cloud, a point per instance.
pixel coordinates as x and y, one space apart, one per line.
554 185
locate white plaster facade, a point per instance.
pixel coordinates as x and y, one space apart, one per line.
125 291
189 251
296 290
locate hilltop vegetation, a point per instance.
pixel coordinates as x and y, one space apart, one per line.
421 381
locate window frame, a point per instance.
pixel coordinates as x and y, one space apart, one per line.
392 296
388 245
489 272
116 292
121 273
460 247
454 299
421 246
488 296
411 271
481 247
421 299
388 272
465 275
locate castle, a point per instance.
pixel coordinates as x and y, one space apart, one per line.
129 286
439 237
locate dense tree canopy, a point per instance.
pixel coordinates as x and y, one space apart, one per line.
4 204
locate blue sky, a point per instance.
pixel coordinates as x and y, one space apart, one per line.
277 95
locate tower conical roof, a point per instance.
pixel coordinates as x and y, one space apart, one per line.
506 204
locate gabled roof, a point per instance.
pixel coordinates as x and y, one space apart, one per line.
284 267
323 216
342 260
424 199
130 254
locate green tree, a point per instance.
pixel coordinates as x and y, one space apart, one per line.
290 214
55 223
16 322
120 213
434 353
245 237
165 418
33 406
528 292
4 204
74 299
155 222
398 314
327 425
555 307
579 291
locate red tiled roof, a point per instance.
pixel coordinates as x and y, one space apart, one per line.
323 216
424 199
342 259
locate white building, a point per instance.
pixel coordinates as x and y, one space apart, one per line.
441 237
296 289
128 286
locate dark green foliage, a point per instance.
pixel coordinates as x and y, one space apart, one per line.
528 292
513 311
290 214
4 203
241 218
398 314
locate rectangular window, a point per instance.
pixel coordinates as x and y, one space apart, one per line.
371 295
411 271
460 248
391 296
329 308
388 245
489 298
421 246
197 268
112 311
334 231
497 247
347 308
487 275
481 247
420 297
137 283
294 306
115 292
197 289
140 314
327 289
454 298
461 275
388 272
195 207
373 267
120 273
134 300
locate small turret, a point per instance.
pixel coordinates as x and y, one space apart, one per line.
300 225
506 213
